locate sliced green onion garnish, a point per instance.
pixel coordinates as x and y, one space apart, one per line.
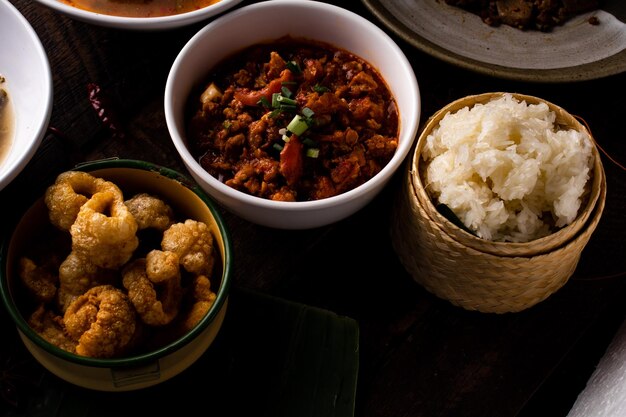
293 67
282 103
308 142
286 134
312 152
320 88
308 115
298 125
287 107
285 91
275 103
263 102
275 113
285 100
307 112
278 146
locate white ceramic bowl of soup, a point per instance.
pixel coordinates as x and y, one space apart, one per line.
25 69
146 15
300 19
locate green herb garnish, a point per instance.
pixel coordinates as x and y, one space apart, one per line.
320 88
293 67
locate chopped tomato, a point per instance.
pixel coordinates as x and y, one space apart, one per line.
251 97
291 162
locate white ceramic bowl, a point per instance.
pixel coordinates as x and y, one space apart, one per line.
25 66
309 19
140 23
140 370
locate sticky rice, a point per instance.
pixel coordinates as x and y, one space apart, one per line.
507 170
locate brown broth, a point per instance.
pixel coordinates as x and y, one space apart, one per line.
6 121
140 8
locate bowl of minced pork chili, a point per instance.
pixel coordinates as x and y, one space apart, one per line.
293 120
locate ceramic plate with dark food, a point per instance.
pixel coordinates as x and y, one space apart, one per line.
587 45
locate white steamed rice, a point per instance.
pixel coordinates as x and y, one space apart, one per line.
506 171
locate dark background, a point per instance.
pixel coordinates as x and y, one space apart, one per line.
418 355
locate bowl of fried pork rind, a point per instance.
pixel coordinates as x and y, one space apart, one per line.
498 201
117 277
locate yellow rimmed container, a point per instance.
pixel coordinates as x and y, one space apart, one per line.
479 274
145 368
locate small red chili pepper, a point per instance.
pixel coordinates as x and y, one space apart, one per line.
291 160
104 109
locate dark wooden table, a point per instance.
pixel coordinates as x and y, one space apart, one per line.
419 355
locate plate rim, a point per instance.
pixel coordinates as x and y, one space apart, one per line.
606 67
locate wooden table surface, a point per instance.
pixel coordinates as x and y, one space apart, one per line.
419 355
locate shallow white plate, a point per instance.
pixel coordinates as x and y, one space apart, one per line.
141 23
575 51
25 65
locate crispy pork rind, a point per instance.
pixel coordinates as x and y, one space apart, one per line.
156 303
105 231
202 298
51 327
98 293
192 241
150 212
102 320
40 281
77 274
161 265
69 192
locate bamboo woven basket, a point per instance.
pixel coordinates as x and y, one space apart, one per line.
537 246
475 273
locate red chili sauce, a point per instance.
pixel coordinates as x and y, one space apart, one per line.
140 8
240 136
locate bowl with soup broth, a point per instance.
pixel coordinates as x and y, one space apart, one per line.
25 93
295 125
140 15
